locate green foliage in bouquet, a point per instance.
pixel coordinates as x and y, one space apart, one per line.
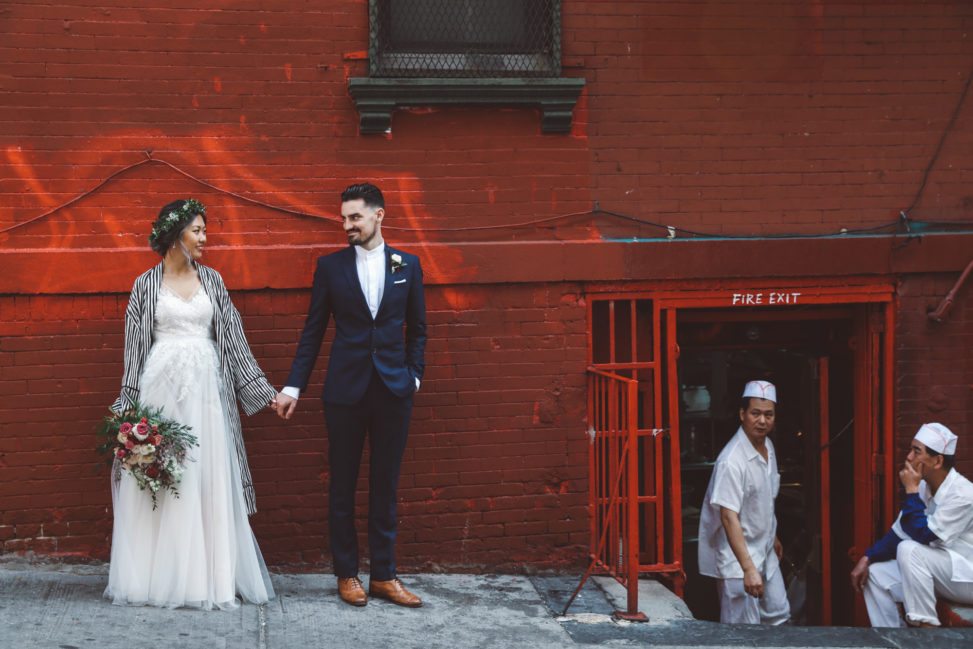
150 446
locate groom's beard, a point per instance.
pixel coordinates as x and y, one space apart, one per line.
355 238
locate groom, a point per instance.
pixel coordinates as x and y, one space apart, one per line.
373 292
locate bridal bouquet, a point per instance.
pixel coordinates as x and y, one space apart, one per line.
149 446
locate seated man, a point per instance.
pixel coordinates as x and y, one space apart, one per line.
929 549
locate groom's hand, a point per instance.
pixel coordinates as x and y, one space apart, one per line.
285 405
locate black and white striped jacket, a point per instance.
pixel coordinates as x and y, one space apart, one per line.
241 377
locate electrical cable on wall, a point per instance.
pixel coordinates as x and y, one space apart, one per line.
667 231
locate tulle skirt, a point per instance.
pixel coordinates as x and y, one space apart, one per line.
197 549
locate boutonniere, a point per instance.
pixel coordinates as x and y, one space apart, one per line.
397 263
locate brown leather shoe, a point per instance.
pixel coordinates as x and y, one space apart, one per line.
351 591
393 591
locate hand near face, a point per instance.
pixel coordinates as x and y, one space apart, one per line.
285 405
910 478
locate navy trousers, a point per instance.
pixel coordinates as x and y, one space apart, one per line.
382 418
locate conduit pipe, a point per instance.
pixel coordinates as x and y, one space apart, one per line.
946 305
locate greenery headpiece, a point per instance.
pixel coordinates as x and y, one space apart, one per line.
176 218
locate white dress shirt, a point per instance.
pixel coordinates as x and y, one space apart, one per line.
743 481
371 275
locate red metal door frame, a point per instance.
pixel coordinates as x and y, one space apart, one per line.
874 375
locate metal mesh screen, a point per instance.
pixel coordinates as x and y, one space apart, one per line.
465 38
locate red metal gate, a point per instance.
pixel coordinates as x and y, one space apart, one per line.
619 509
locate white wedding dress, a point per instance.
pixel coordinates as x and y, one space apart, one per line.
196 549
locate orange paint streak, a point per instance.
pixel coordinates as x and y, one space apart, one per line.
434 267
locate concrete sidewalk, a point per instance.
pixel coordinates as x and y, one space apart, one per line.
60 607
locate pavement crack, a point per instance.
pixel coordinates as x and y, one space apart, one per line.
262 626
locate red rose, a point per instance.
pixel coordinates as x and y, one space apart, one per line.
142 428
143 420
129 444
120 453
152 471
125 428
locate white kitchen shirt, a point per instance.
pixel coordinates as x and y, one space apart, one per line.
949 515
746 483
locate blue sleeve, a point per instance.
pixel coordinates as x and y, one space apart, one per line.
884 548
914 521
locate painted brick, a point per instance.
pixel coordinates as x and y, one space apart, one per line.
732 118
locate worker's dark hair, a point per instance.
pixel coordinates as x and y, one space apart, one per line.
949 461
745 403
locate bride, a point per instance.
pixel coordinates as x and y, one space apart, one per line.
185 352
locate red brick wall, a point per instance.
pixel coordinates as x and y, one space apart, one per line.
753 117
495 470
934 364
758 116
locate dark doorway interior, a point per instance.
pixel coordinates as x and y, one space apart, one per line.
719 352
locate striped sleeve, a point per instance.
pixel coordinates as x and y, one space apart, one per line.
249 382
136 340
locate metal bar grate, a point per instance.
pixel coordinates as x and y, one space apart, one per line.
464 38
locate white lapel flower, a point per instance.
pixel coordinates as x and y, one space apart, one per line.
397 262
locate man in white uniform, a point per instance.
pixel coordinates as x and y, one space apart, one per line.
738 542
929 550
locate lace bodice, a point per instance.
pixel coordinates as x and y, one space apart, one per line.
176 317
183 346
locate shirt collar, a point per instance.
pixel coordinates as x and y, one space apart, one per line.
370 254
944 487
748 448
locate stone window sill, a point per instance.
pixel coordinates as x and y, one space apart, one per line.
377 98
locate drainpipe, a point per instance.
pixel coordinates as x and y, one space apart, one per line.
939 315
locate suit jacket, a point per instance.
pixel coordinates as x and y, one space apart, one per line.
361 342
241 377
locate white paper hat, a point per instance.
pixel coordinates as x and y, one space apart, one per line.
760 390
937 438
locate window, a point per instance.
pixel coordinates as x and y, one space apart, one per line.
464 52
465 38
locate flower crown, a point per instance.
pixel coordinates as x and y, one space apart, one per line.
166 223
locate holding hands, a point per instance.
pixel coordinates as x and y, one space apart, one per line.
284 405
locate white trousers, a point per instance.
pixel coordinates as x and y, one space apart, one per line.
737 607
918 574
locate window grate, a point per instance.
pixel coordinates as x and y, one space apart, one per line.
464 38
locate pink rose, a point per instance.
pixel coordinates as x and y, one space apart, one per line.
129 444
156 439
125 428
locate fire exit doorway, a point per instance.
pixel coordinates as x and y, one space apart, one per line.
829 351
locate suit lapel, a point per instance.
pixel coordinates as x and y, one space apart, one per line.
388 279
350 267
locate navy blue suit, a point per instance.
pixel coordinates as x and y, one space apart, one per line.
368 389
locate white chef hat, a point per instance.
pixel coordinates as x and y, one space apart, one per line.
760 390
937 437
